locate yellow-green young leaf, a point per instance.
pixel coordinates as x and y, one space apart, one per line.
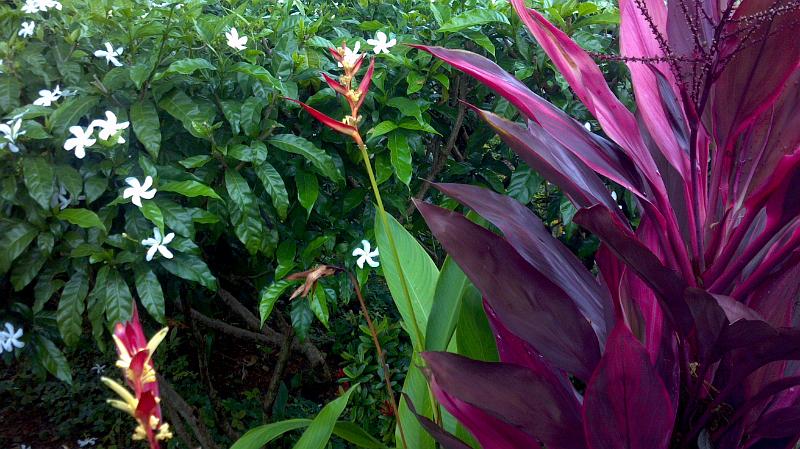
71 306
14 242
152 212
189 189
39 179
319 158
401 156
53 360
471 18
416 82
416 388
70 112
149 290
382 128
119 302
260 436
307 189
321 428
274 186
82 217
412 266
146 126
270 295
191 268
189 65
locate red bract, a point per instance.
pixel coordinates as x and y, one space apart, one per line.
685 338
135 359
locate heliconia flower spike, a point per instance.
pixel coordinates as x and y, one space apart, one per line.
335 84
363 87
135 354
327 120
689 337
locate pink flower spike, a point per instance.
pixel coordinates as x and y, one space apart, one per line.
363 88
335 84
326 120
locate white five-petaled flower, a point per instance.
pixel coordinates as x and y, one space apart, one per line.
138 191
365 255
9 338
351 57
110 54
87 442
26 30
380 44
98 369
109 127
158 243
30 7
48 97
83 138
11 131
234 40
60 198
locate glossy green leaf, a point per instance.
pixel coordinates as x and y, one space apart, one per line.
319 158
146 126
150 294
450 288
51 358
401 156
382 128
275 187
270 295
119 302
82 217
318 302
191 268
26 267
474 337
415 387
190 65
152 212
70 112
13 242
321 428
39 179
471 18
307 189
71 306
189 189
258 437
9 93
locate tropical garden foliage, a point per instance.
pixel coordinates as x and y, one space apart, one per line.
246 176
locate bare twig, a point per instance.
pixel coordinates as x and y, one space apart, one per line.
177 425
277 372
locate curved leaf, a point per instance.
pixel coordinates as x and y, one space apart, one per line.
298 145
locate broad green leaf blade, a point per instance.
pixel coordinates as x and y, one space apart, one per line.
401 156
82 217
152 212
189 65
119 302
189 189
149 290
307 189
27 267
39 180
238 189
416 388
319 158
269 296
51 358
70 112
9 93
471 18
71 306
146 126
14 242
474 336
446 308
411 265
321 428
382 128
258 437
351 432
275 187
191 268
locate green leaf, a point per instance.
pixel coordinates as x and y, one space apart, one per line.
320 159
189 189
70 112
191 268
321 428
285 255
189 65
250 116
480 39
450 288
270 295
258 437
195 161
318 302
149 290
176 217
351 432
39 180
97 306
307 189
411 266
94 187
238 189
301 316
71 306
415 387
9 93
27 267
152 212
382 128
71 179
275 187
244 212
146 126
119 302
261 74
401 156
416 82
13 242
407 107
471 18
524 184
474 337
51 358
81 217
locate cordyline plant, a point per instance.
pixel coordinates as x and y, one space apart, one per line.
135 354
686 337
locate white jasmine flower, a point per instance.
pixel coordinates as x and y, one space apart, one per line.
98 368
138 191
44 5
1 66
234 41
9 338
109 127
27 29
351 56
83 138
11 131
158 243
588 126
47 97
379 44
110 54
31 7
60 198
87 442
365 255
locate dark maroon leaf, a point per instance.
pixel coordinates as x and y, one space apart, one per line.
778 423
446 439
528 303
626 404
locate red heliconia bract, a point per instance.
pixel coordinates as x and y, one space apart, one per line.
688 337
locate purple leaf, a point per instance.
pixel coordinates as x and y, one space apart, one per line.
779 423
447 440
528 303
626 404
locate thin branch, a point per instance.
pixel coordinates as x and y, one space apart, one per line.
188 413
277 372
